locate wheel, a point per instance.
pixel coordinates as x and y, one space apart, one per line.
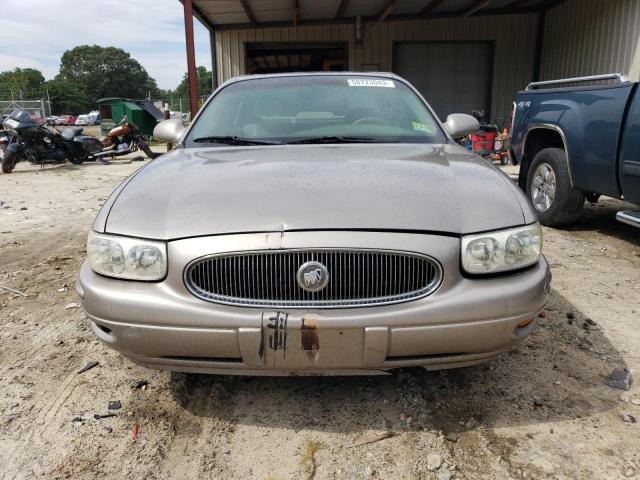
9 159
77 155
549 188
77 159
148 152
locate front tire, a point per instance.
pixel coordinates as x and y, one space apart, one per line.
9 159
549 188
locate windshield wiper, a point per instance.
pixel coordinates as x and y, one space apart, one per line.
233 140
334 139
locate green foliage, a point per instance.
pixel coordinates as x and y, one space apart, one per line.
105 72
25 82
88 73
67 97
204 84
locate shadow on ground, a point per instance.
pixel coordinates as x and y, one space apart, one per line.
555 374
601 217
66 167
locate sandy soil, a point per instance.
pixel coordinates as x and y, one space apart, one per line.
540 411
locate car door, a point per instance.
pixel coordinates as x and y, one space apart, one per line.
629 160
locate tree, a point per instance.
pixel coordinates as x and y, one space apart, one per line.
205 86
105 72
25 83
66 97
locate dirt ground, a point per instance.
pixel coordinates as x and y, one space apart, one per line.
540 411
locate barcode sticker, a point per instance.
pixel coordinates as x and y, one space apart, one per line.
369 82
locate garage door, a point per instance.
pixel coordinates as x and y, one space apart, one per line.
454 77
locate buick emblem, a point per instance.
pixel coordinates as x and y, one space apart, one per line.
312 276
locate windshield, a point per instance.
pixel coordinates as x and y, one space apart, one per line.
310 109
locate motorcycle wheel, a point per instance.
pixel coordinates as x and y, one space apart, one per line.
9 160
78 157
148 152
77 160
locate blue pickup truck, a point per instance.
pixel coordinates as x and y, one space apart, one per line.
578 142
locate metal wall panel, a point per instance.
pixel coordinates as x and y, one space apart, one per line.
513 37
454 76
588 37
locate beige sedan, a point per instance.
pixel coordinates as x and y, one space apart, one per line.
314 224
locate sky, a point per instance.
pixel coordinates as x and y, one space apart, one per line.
35 34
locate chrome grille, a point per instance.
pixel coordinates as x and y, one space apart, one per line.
356 278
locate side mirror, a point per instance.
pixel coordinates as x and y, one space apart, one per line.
460 125
169 131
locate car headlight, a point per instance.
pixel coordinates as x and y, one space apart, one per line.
502 250
128 258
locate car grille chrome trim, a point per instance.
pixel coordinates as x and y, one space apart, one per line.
358 278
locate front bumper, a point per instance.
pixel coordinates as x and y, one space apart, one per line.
466 321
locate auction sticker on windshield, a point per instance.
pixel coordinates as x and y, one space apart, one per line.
368 82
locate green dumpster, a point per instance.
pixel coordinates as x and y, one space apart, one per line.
143 113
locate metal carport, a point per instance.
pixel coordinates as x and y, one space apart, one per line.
519 41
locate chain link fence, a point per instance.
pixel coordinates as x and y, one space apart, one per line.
38 109
179 105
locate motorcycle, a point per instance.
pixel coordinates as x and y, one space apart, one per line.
123 139
22 138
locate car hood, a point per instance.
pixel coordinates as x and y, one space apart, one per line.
207 191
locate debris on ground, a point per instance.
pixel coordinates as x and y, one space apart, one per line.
141 385
13 290
308 460
628 418
434 461
451 437
372 439
71 305
134 432
114 405
621 379
444 474
88 366
106 415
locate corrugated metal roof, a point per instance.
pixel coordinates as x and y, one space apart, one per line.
221 13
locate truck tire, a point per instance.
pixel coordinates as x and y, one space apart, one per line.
549 188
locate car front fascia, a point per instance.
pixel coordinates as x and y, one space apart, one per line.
141 316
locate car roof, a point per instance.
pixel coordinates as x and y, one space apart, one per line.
387 75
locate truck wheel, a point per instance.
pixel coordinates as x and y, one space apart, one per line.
549 188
